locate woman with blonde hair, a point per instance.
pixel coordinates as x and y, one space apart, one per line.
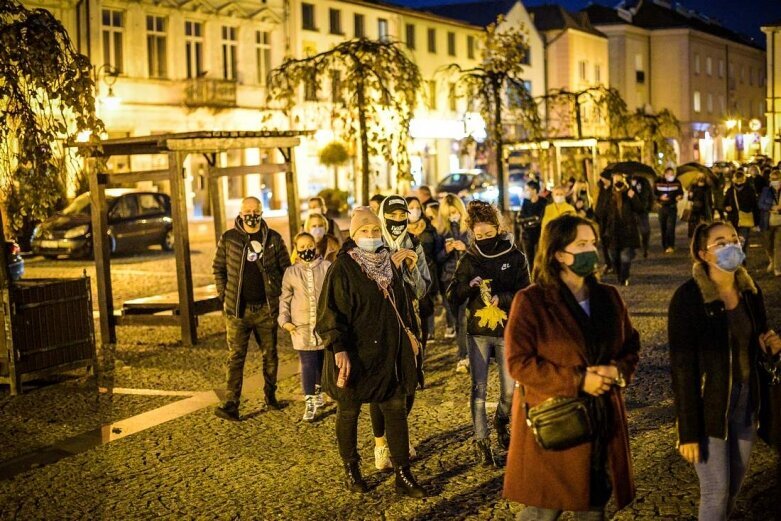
327 245
453 228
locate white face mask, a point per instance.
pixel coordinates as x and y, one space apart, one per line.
317 232
775 184
414 215
558 199
370 244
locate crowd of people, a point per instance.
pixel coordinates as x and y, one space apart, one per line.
527 294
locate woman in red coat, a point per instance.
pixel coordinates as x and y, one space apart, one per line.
570 336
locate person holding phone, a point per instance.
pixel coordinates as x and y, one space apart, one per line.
365 318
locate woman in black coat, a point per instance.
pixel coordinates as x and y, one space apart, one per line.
364 309
701 202
621 231
726 367
740 198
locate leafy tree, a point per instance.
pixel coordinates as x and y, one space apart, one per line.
382 85
334 154
498 86
46 99
656 130
565 108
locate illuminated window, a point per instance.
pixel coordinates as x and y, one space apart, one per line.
721 68
229 52
697 101
262 56
432 95
156 46
113 36
710 102
382 29
709 66
193 38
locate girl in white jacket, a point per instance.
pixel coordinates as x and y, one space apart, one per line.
301 286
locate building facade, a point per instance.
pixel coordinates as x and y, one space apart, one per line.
713 80
773 94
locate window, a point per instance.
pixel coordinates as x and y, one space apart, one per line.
262 56
761 108
639 62
451 43
310 88
432 95
751 76
125 208
527 57
359 26
527 85
451 96
470 47
710 102
382 29
709 66
696 64
308 17
229 48
697 101
156 46
336 87
640 77
722 104
410 33
150 204
335 21
761 78
582 64
721 68
193 37
113 34
432 40
597 74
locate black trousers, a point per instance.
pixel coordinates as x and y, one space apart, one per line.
378 420
261 322
394 411
668 217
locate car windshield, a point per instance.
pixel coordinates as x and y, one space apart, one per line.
456 181
81 205
517 178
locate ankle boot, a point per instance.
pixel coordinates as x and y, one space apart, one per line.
502 432
484 452
354 481
406 484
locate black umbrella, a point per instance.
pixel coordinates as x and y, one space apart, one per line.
635 169
689 172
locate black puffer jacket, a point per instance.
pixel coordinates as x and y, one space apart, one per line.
508 272
620 223
228 266
700 359
354 316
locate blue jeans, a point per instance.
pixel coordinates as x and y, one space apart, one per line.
481 348
744 233
668 216
311 369
547 514
724 462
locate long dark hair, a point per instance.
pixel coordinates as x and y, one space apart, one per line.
557 235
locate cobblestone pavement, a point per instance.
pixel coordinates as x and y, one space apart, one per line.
272 465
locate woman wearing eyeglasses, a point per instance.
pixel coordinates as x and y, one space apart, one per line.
725 367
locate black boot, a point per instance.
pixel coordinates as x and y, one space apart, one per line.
228 411
272 403
485 454
502 432
406 484
354 480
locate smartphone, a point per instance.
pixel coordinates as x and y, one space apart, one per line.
449 239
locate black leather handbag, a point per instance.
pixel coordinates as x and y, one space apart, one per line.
560 423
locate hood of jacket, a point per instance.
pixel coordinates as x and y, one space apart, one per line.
400 241
708 289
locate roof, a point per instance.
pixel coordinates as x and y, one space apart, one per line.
653 14
550 17
481 13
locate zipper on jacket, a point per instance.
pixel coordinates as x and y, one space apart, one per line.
241 276
729 391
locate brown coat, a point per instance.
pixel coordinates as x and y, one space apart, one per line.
545 351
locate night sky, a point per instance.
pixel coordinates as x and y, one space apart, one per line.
745 16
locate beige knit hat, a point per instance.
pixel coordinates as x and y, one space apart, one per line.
362 215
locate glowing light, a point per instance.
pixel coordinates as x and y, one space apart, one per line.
83 136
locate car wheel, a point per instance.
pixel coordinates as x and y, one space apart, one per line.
168 240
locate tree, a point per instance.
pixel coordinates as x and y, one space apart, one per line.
334 154
46 99
497 84
657 130
382 85
563 107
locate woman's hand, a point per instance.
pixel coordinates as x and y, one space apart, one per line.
690 452
459 245
475 282
495 300
595 384
289 327
398 257
343 363
770 342
412 259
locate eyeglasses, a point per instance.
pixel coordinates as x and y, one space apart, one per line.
721 243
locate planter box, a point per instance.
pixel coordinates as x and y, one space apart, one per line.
48 328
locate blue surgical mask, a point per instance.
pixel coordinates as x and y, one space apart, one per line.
730 257
369 244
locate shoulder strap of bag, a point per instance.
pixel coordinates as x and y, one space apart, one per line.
735 196
407 330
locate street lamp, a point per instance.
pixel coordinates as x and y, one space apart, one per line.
109 75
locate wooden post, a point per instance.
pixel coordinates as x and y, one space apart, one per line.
216 198
102 256
291 181
184 274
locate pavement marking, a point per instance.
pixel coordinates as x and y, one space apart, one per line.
146 392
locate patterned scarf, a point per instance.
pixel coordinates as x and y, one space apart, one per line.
376 266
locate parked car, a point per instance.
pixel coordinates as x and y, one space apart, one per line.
15 260
136 220
477 184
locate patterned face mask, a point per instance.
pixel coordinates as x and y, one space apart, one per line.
307 255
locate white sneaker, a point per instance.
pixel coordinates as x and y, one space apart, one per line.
320 400
310 409
462 366
450 332
770 268
382 458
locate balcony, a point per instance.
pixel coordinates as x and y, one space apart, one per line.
207 92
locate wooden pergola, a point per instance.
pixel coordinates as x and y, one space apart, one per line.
180 309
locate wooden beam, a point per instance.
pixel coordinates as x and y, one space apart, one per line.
233 171
135 177
184 273
221 144
102 255
217 203
150 320
291 182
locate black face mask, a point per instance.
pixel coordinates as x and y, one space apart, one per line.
487 245
395 228
251 220
307 255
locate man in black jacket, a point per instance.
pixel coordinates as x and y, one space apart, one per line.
248 269
668 193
